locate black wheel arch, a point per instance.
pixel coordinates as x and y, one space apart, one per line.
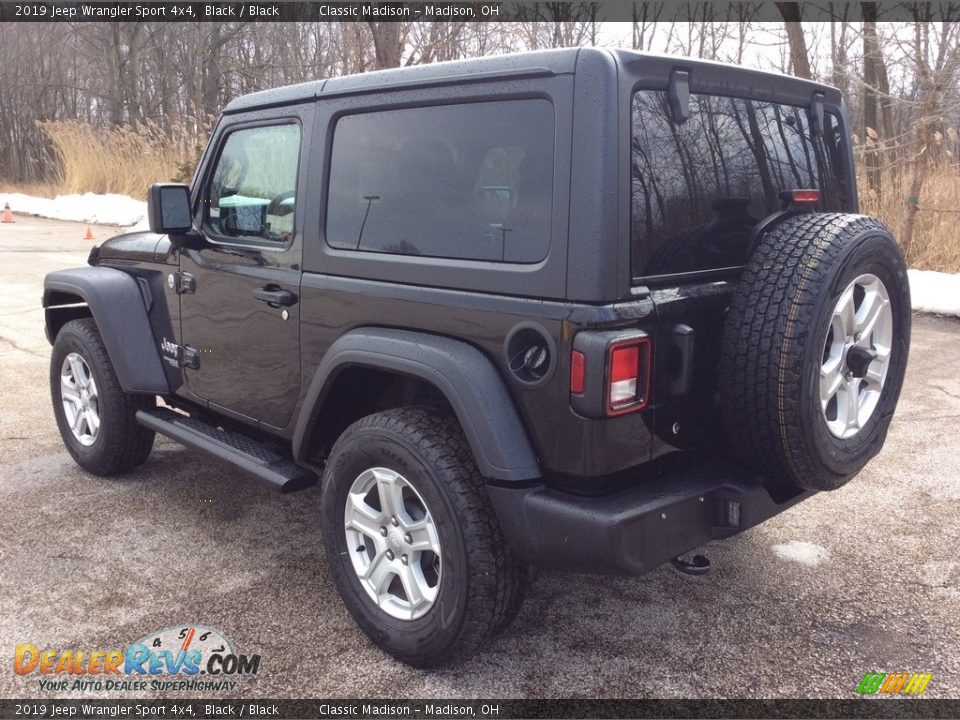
460 374
114 300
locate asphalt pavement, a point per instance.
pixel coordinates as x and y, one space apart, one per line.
862 579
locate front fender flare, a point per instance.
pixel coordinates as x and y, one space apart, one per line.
465 376
117 306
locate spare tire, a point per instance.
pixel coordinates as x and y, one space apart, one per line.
815 349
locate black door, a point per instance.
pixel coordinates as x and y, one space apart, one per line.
239 306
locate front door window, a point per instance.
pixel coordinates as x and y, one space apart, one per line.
252 192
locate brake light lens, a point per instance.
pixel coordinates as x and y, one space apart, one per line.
624 373
806 196
628 365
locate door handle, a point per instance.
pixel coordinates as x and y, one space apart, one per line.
275 296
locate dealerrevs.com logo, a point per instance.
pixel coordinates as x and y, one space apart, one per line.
903 683
200 658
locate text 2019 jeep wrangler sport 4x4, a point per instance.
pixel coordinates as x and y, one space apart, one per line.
581 309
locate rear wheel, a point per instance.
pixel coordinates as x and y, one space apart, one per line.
411 539
815 349
96 418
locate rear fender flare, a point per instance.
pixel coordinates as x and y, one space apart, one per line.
465 376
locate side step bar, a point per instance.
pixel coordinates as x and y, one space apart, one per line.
246 454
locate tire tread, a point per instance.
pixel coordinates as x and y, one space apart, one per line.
126 443
770 320
495 590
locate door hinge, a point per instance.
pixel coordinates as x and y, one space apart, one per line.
188 357
184 283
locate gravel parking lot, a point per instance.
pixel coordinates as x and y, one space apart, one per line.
862 579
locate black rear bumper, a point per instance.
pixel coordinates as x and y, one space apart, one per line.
636 530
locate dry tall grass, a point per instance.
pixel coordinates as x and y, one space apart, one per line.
123 160
936 236
37 189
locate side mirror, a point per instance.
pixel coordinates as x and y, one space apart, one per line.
168 210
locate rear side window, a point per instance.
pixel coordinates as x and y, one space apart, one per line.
698 188
471 181
253 188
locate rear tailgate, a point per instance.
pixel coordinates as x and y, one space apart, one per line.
711 149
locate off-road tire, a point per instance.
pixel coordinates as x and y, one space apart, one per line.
480 588
774 341
121 443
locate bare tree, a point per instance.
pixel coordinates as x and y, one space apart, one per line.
558 24
875 87
387 44
839 46
799 57
936 58
645 16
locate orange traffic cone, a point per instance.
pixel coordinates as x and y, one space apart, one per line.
89 233
7 214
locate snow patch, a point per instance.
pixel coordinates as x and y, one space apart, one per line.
802 552
935 292
87 208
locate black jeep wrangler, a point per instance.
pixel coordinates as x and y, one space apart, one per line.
579 309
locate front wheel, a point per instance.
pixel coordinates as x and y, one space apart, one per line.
96 418
412 542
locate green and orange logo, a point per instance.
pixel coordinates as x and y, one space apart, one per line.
904 683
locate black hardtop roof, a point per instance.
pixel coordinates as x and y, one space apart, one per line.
547 62
542 62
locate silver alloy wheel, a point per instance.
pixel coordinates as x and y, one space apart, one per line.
856 356
393 543
81 404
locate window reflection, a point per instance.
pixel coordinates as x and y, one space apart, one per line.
472 181
699 188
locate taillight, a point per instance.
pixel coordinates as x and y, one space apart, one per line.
628 376
610 372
